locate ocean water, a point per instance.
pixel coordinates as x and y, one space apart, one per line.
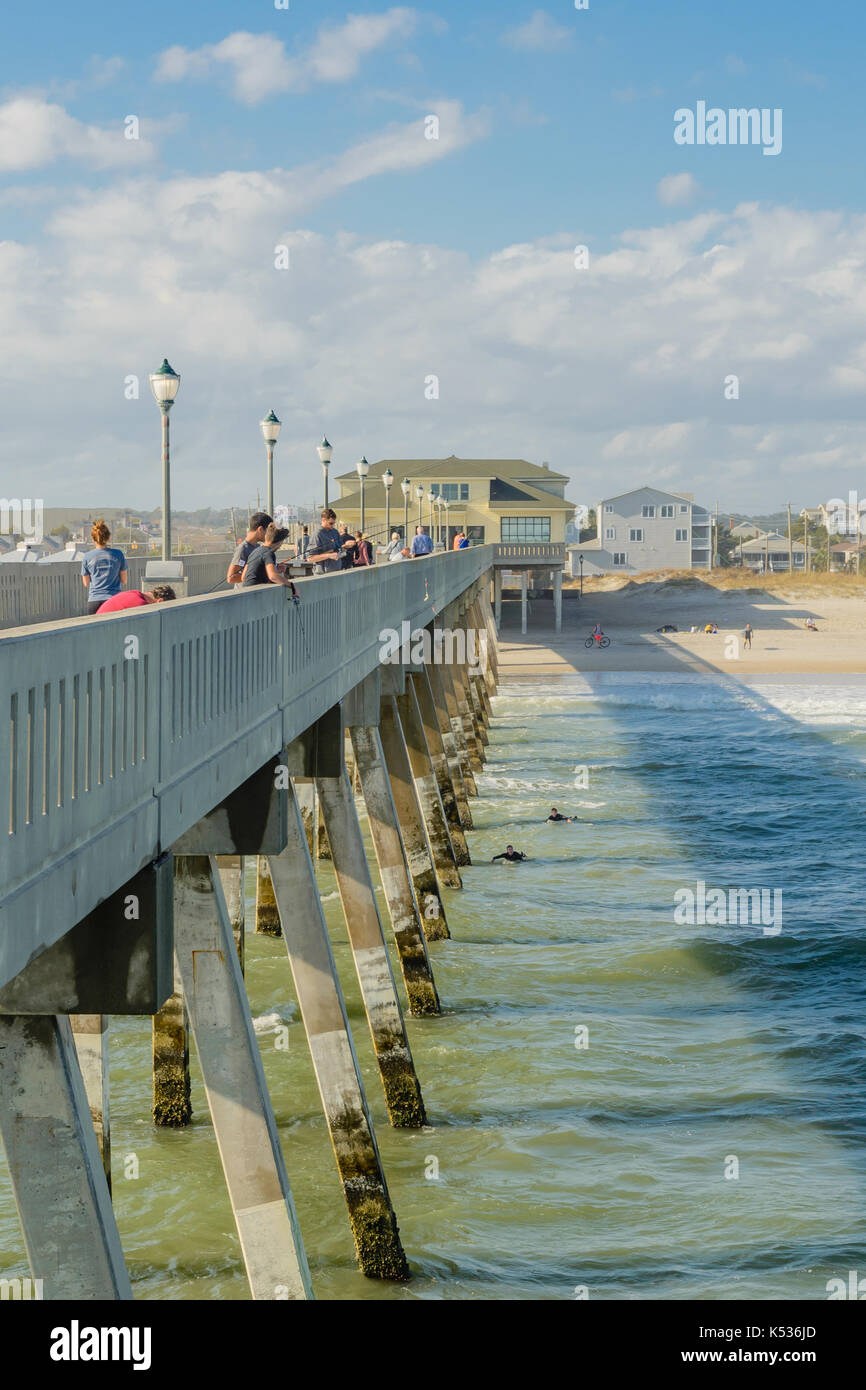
620 1103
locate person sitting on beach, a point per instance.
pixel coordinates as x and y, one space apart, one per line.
511 854
811 625
711 627
555 815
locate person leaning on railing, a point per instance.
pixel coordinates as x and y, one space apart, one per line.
325 550
103 570
262 567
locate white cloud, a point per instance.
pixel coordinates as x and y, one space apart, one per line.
674 190
35 132
540 34
260 65
615 374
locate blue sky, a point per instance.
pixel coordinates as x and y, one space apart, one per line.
304 127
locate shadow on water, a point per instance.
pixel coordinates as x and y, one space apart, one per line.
812 959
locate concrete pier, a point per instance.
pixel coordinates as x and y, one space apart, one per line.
374 1225
418 855
441 768
90 1034
394 872
172 1100
267 917
57 1176
232 869
235 1086
364 926
427 788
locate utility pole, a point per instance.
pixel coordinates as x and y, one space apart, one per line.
234 527
790 543
806 538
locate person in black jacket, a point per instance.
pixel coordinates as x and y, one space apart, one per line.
513 855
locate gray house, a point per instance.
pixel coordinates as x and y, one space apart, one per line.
648 529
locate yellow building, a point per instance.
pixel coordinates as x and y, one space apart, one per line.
489 499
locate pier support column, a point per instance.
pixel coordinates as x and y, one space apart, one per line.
524 587
323 848
466 715
374 1225
370 954
305 793
441 769
492 643
394 872
267 917
411 821
427 788
557 600
488 663
457 728
232 872
60 1190
497 596
172 1101
450 744
90 1033
234 1081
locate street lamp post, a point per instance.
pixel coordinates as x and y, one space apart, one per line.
324 451
419 493
387 480
164 384
405 488
580 562
271 432
431 498
439 516
446 505
363 470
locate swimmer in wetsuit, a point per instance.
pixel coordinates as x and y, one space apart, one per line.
511 854
555 815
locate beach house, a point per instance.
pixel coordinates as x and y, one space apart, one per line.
647 529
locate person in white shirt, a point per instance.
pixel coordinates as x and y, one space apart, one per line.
404 554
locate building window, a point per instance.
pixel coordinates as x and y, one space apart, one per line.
453 492
667 513
608 506
526 528
648 511
684 506
682 534
619 558
635 533
610 533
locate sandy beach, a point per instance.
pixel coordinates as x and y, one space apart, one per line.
631 615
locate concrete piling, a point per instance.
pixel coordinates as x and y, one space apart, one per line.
374 1225
90 1034
427 788
306 795
172 1101
441 768
267 917
323 847
450 745
457 728
232 869
370 954
394 872
57 1176
418 855
235 1086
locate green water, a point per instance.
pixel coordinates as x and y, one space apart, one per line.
548 1167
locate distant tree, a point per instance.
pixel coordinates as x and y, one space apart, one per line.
63 532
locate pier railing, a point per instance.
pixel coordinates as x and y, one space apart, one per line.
34 593
124 731
522 552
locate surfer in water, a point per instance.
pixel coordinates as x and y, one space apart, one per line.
555 815
513 855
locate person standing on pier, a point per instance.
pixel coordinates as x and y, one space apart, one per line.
259 523
421 543
302 545
347 544
325 551
262 567
363 553
513 855
103 570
